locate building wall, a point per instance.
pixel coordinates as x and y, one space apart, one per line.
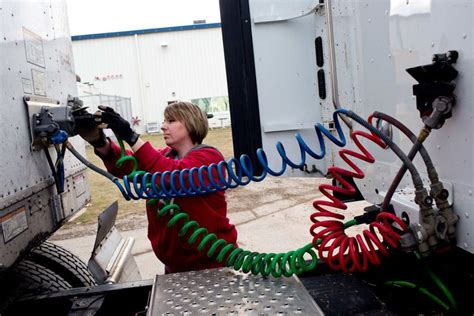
154 68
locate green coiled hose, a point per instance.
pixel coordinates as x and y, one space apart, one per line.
286 264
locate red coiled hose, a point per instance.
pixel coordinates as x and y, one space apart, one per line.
340 251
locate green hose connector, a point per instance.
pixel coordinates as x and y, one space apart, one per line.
285 264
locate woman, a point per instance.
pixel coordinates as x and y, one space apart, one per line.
184 128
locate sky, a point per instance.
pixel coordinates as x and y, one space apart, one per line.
100 16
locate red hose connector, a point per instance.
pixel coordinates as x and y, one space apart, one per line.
340 251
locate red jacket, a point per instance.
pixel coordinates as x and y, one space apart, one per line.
209 210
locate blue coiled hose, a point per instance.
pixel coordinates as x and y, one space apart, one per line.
159 185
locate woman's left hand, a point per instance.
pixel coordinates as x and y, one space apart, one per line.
106 117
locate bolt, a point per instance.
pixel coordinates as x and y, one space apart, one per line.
428 200
419 236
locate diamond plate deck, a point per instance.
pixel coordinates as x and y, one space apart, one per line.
228 292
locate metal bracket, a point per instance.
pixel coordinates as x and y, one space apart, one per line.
33 107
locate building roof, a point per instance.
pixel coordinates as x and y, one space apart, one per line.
145 31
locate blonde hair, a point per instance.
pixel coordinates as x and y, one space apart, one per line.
193 118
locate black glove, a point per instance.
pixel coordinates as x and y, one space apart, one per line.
88 129
106 117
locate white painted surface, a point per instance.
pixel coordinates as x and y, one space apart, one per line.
375 41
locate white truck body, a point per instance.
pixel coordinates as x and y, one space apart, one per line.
373 42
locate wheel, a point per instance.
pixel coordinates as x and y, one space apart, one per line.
28 278
62 262
34 278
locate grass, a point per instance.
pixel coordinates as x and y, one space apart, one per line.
105 192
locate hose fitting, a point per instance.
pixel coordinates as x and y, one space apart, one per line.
446 227
426 234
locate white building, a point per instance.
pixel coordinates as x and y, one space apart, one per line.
153 67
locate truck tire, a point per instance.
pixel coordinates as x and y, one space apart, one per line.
62 262
32 278
25 279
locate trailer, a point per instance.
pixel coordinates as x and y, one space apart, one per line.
378 94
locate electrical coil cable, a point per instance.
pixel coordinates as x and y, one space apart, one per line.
146 186
340 251
286 264
334 241
230 174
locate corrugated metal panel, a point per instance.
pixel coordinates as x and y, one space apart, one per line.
153 69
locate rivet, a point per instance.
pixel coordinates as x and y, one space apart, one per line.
470 192
464 36
438 146
465 245
467 215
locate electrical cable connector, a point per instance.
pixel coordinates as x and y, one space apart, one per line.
59 137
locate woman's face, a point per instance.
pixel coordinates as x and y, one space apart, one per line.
174 133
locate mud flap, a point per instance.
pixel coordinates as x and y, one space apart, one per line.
112 260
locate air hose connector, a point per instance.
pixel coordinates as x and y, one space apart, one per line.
427 219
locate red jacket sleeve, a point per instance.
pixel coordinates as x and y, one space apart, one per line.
154 160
